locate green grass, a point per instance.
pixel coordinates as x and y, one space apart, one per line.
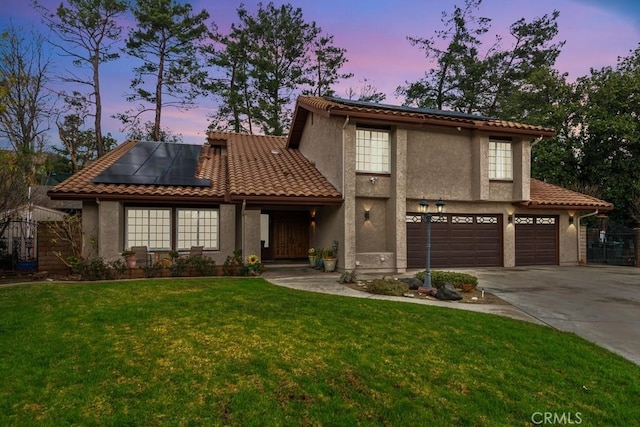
244 352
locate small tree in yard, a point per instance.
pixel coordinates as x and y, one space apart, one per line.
68 231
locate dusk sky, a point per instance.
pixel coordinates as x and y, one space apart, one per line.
374 33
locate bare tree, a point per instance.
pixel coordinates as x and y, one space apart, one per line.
87 30
24 74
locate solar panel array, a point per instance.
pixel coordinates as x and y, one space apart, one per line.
156 163
407 109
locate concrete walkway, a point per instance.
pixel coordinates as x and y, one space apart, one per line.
307 279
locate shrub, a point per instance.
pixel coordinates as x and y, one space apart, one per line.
179 266
98 269
152 270
234 265
439 278
201 265
118 267
348 277
386 286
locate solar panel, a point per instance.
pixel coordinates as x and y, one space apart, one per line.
156 163
407 109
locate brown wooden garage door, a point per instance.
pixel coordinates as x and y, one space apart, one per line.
536 239
457 240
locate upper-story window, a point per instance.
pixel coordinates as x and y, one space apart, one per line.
372 150
500 160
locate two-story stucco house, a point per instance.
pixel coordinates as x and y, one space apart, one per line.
349 172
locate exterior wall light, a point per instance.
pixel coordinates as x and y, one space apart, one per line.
570 219
367 215
510 218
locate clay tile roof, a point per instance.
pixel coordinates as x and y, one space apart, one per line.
81 185
544 195
261 167
394 113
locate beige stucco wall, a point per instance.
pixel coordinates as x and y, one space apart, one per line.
430 162
110 229
439 164
330 144
227 232
103 231
250 232
322 143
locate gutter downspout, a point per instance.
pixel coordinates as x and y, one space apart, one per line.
579 242
99 248
244 226
344 126
535 141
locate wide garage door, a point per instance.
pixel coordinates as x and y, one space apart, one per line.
536 240
457 240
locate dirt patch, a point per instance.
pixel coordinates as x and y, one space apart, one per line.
475 296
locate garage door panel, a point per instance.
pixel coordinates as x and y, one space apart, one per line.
536 240
457 241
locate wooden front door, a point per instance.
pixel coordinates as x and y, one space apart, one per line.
290 234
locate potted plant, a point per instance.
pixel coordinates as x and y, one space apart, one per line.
129 257
312 257
329 260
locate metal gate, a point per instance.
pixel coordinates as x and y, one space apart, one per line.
18 245
611 244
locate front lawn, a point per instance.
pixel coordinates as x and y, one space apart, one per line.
240 351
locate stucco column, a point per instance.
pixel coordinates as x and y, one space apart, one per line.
399 200
521 170
509 242
480 167
347 251
110 229
251 233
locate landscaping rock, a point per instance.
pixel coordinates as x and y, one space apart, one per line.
448 293
412 282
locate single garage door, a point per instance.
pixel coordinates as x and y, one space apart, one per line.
457 240
536 239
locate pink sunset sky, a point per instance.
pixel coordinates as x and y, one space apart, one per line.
374 33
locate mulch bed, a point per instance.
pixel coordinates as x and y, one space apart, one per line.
472 297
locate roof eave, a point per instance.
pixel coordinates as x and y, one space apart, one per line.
137 197
536 205
287 200
299 115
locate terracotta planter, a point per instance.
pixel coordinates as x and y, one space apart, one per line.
131 261
312 260
329 264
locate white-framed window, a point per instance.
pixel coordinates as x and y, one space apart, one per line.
372 150
150 227
500 160
197 227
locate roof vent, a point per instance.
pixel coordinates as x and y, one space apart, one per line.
275 151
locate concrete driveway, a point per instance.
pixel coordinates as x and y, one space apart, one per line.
598 303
